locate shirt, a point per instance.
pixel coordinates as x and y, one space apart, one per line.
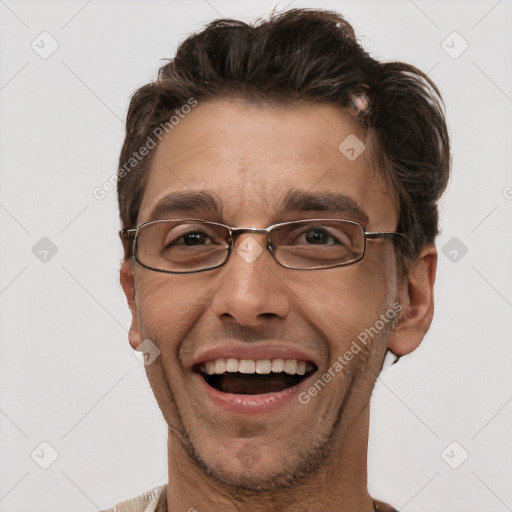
149 501
146 502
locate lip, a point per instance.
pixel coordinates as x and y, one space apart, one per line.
254 352
253 404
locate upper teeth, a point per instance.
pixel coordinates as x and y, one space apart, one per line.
261 366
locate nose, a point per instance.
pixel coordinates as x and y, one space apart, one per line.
251 289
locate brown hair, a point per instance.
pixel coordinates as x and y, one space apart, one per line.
305 55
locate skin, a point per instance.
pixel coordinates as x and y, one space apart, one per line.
310 456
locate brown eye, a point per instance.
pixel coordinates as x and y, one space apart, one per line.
318 236
195 238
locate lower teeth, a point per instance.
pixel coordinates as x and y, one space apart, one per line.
252 384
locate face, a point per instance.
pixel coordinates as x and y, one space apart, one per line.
254 429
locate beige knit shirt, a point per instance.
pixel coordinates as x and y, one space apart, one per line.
148 501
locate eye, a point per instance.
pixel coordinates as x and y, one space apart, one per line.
188 236
195 238
318 235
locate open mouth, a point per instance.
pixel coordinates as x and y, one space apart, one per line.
254 377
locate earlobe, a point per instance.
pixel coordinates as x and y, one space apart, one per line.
128 284
416 296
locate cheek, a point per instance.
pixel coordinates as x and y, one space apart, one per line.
167 309
348 300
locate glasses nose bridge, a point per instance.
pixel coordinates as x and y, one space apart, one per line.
236 232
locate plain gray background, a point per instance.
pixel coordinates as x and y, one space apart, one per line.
68 376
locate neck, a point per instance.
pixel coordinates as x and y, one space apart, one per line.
340 485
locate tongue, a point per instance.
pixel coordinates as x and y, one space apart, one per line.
252 384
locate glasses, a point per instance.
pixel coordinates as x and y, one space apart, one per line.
182 246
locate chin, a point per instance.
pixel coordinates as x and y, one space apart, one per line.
254 479
248 469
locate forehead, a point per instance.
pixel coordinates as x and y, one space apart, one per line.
237 161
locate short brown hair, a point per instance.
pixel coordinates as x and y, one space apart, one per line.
307 55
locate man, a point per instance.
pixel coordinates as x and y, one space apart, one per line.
278 194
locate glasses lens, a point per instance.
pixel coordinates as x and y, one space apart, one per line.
181 246
318 244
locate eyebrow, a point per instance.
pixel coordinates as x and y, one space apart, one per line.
334 203
295 200
189 201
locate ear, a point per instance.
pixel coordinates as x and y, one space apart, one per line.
128 284
416 295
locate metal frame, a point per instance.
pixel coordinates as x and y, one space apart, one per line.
126 234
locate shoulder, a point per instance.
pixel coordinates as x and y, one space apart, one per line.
146 502
380 506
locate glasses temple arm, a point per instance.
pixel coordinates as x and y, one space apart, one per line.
373 235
